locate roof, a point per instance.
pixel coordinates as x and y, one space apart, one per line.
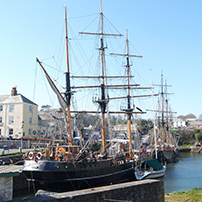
190 116
19 98
179 120
45 116
9 171
181 117
55 113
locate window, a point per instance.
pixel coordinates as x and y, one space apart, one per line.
0 119
1 108
30 120
10 131
30 108
11 108
11 119
0 131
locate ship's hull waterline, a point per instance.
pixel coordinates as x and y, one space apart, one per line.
60 176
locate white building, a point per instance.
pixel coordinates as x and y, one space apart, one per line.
18 115
179 123
51 124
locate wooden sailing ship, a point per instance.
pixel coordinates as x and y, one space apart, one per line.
67 168
167 146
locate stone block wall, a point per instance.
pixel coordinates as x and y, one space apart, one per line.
137 191
20 183
6 188
15 143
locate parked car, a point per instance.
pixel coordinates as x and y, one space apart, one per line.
77 140
9 137
86 136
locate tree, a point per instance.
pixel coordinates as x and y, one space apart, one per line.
186 137
198 137
146 124
200 117
196 130
45 107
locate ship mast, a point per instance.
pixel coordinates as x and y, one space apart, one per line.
129 110
162 111
65 104
167 127
102 101
162 114
128 97
68 88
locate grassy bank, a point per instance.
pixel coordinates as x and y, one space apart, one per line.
193 195
185 148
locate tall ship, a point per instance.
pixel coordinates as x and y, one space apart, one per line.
167 139
71 167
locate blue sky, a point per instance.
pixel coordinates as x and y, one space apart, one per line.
168 34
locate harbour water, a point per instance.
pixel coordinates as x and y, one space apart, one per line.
185 174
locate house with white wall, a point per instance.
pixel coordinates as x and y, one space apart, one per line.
18 115
180 123
51 124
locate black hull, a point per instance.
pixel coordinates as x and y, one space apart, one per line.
167 156
75 177
171 156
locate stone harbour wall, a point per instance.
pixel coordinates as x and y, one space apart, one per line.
136 191
19 183
12 143
6 188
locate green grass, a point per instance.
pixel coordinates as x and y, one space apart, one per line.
193 195
17 153
185 146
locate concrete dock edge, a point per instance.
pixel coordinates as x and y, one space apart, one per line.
136 191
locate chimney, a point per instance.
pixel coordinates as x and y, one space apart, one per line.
14 91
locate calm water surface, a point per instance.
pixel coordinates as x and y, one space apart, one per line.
185 174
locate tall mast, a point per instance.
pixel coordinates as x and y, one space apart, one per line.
167 128
129 110
68 88
102 101
162 114
154 117
128 98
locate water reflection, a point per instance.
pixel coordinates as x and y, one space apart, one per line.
185 174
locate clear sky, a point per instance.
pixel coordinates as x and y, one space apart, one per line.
168 34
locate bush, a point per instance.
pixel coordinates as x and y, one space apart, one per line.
198 136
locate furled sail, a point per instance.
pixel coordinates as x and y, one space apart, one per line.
61 100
